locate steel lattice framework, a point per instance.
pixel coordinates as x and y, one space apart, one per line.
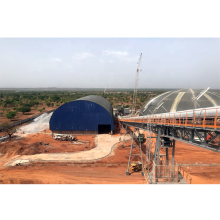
199 127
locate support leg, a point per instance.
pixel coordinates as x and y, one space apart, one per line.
205 137
157 147
142 171
192 135
167 156
124 137
173 154
127 172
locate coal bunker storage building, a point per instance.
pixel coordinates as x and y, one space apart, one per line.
88 115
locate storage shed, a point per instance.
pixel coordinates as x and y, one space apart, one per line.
88 115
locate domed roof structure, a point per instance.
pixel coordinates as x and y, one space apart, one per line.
179 100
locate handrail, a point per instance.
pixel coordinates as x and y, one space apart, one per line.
203 118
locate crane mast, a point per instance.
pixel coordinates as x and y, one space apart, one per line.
136 86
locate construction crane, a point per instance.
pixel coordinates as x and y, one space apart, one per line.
136 86
104 91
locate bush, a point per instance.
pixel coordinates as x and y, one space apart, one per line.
11 115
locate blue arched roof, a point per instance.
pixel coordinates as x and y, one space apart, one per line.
80 115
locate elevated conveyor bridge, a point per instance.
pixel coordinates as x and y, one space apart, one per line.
199 127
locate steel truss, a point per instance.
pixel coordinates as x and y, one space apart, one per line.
204 138
133 155
156 168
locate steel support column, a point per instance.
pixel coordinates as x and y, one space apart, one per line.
192 135
157 147
127 172
173 152
167 155
124 137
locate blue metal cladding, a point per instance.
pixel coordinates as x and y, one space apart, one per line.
80 115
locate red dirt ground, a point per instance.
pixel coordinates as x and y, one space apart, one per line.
29 144
68 175
107 170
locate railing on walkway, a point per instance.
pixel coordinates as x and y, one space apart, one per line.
202 118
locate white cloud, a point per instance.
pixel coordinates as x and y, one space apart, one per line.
120 55
130 59
81 56
56 60
114 53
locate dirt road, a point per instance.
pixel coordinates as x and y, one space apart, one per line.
103 149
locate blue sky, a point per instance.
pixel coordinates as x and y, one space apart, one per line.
97 62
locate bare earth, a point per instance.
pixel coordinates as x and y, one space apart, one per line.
202 165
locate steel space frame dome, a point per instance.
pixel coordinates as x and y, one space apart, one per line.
84 114
179 100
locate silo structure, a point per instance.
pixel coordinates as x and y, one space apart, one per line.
88 115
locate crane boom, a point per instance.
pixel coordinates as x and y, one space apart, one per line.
136 86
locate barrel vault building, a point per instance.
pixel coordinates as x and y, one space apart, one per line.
88 115
179 100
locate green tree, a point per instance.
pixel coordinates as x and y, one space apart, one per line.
11 115
24 109
54 98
